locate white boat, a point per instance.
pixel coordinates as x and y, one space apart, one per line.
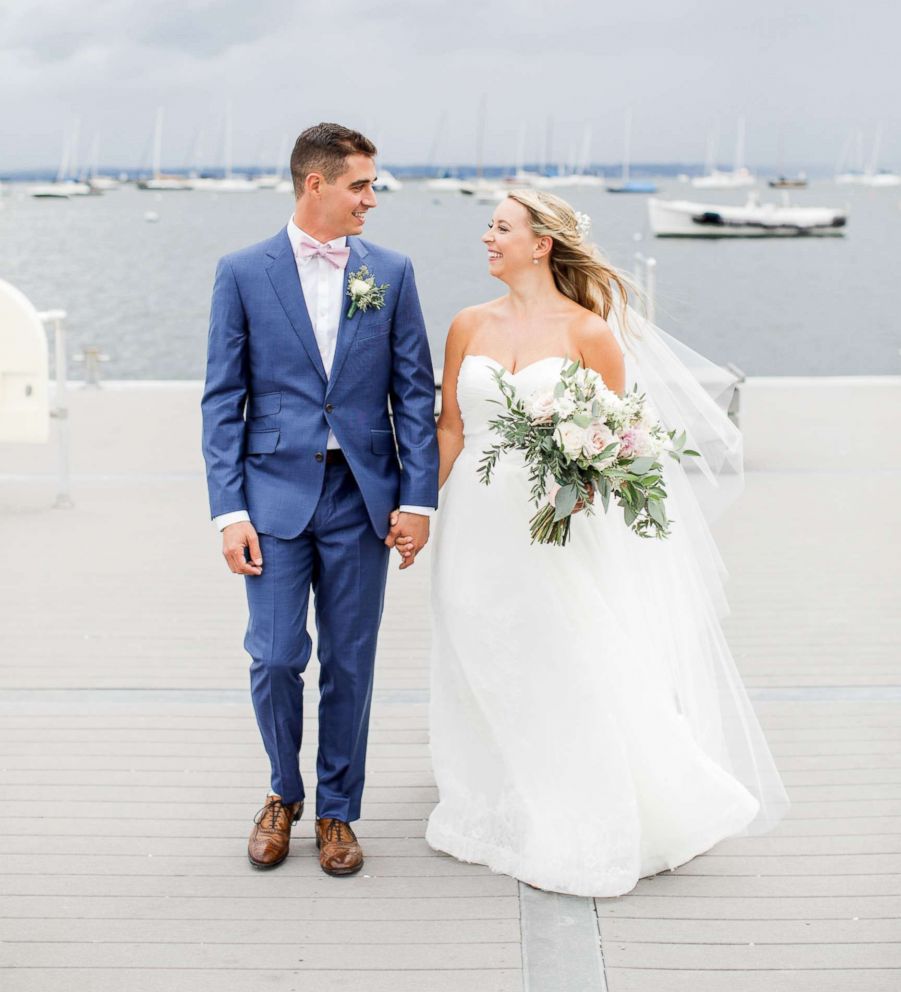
684 219
285 186
484 190
444 184
60 190
740 177
225 184
387 182
859 174
272 180
64 186
882 179
229 182
160 183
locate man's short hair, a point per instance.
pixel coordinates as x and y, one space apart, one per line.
324 148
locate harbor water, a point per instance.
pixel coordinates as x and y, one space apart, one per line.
139 290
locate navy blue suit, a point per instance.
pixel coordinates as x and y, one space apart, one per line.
267 409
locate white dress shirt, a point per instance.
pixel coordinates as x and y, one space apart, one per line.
322 285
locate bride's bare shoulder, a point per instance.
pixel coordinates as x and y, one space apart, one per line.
599 348
468 320
593 334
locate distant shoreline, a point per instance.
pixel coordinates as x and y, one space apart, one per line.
462 171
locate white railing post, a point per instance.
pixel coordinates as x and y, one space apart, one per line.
60 411
650 287
645 275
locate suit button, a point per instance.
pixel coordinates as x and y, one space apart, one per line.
328 408
319 456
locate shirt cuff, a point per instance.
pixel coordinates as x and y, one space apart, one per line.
423 511
224 519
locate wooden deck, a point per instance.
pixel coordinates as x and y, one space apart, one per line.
130 764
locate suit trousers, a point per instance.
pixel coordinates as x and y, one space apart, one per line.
341 558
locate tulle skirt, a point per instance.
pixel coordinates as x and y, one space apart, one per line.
588 724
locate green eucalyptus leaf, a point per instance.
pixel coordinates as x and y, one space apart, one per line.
641 465
565 501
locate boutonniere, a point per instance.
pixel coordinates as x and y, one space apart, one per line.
363 292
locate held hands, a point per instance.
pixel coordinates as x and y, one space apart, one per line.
409 533
240 543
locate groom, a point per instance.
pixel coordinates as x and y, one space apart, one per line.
305 467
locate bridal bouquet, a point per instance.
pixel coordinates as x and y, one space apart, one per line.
580 438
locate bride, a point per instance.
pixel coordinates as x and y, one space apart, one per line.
588 725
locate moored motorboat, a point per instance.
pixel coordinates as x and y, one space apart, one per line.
685 219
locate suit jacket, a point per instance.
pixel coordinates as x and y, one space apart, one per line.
268 405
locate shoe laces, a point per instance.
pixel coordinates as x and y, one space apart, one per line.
340 831
274 808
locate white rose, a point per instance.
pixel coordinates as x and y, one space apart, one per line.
564 406
540 406
359 287
571 439
597 437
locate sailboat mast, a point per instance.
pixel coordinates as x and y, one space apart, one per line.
740 146
157 142
627 141
480 136
228 141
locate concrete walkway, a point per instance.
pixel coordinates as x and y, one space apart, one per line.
130 765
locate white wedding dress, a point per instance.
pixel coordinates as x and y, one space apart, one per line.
588 726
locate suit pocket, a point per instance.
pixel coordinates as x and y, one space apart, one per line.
261 442
382 442
265 404
374 329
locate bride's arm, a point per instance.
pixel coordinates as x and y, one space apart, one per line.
600 351
450 423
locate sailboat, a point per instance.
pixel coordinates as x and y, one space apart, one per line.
158 182
482 189
271 180
64 187
98 183
387 182
874 176
738 178
627 185
228 183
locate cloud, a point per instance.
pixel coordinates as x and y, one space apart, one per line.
413 73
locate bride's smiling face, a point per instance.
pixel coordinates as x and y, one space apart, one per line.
510 240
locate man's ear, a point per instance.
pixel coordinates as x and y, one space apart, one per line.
313 183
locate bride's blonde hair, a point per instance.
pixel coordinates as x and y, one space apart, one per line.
580 271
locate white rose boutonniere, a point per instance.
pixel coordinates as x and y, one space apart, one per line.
363 292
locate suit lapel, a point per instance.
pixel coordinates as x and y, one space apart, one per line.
347 328
282 271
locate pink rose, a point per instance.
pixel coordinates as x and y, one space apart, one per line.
597 437
634 442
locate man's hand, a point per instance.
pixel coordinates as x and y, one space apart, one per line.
409 533
237 537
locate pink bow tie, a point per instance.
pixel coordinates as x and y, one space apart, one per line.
336 256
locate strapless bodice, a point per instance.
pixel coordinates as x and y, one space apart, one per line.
477 386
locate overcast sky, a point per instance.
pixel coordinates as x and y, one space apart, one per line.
412 74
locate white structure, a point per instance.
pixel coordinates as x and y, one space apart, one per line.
229 183
24 380
160 183
24 375
387 182
684 219
738 178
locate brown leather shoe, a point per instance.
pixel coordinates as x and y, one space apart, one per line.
339 852
268 844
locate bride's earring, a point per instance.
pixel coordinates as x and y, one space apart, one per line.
534 261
